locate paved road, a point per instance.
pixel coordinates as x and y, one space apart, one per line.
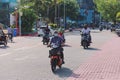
27 58
104 65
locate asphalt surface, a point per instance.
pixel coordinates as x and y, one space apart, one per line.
27 58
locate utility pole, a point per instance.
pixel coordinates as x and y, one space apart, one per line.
64 15
20 14
55 11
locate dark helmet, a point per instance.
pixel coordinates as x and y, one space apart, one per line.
85 26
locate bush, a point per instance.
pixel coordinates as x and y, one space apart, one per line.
13 26
53 26
28 19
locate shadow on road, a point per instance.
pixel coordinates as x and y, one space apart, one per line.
4 47
66 45
11 42
64 72
93 49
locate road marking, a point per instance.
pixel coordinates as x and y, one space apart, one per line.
22 58
4 54
18 49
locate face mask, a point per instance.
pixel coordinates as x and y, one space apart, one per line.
55 34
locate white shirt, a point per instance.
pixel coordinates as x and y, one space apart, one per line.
10 30
86 31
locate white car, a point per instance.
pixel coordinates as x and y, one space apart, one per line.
41 29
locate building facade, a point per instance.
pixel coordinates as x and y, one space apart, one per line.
87 11
6 7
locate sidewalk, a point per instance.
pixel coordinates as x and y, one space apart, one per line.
104 65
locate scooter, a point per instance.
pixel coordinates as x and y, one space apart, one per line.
85 41
10 37
3 42
101 28
46 40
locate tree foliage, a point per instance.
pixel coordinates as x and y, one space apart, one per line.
118 16
108 9
28 18
46 8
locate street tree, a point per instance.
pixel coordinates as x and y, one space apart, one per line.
118 16
28 16
55 8
108 9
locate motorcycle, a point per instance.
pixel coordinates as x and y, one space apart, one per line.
55 59
101 28
118 33
3 41
10 37
85 41
46 40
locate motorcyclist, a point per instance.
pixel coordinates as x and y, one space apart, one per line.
10 32
46 32
2 34
56 44
86 30
61 34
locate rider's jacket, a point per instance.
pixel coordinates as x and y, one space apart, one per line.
10 30
56 41
47 31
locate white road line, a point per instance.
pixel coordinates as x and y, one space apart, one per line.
22 58
18 49
4 54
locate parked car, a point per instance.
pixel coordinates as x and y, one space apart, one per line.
41 31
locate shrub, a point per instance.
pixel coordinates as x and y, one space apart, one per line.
28 19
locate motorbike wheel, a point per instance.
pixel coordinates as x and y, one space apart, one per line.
47 43
85 44
118 35
53 65
60 63
5 43
43 42
11 38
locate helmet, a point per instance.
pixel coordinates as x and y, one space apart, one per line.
85 26
56 33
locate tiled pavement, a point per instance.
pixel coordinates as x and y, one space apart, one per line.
104 65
